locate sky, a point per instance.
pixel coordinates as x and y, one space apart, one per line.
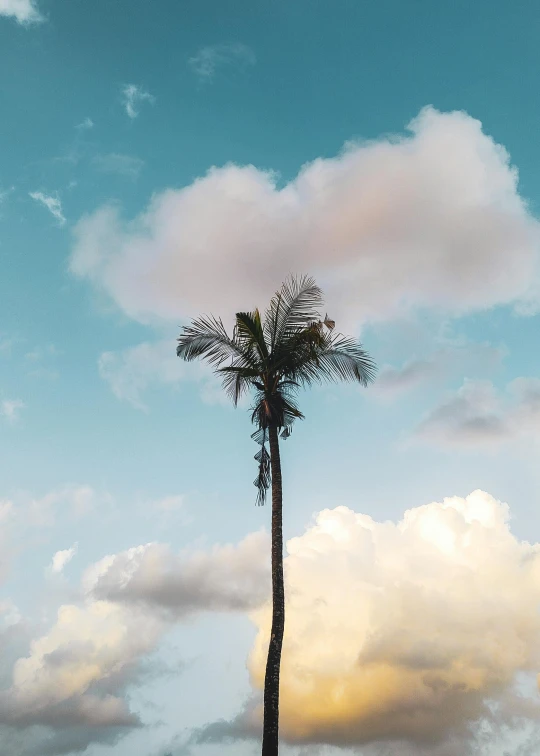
164 159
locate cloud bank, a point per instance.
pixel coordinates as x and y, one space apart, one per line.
413 632
428 220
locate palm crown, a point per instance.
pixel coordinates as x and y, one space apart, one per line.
289 348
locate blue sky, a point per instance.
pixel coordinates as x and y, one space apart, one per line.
162 159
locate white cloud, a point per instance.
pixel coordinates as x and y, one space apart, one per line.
52 203
413 631
210 58
61 558
85 124
227 578
442 202
114 162
23 11
133 371
477 414
132 97
10 409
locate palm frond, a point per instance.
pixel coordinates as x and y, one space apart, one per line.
249 333
237 380
331 358
295 305
345 359
207 338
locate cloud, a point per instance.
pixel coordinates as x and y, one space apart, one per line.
133 371
477 414
53 205
85 124
73 683
429 220
72 674
123 165
61 558
210 58
10 409
132 97
412 632
23 11
227 578
169 503
442 364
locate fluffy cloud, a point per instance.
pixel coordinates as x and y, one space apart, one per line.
413 632
52 203
228 578
70 689
477 414
432 219
73 672
210 58
132 97
135 370
23 11
61 558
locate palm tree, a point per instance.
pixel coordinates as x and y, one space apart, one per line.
290 348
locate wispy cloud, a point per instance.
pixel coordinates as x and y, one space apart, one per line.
115 162
52 203
479 415
132 372
445 362
61 558
23 11
10 409
85 125
133 96
208 59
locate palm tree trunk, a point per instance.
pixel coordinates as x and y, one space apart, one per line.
270 743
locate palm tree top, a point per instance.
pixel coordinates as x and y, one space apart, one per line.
291 347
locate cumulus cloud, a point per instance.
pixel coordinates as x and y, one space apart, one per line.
73 683
227 578
52 203
443 363
133 371
415 632
478 414
209 59
23 11
132 97
10 409
115 162
73 672
428 220
61 558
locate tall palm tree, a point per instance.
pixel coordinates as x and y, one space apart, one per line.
290 348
